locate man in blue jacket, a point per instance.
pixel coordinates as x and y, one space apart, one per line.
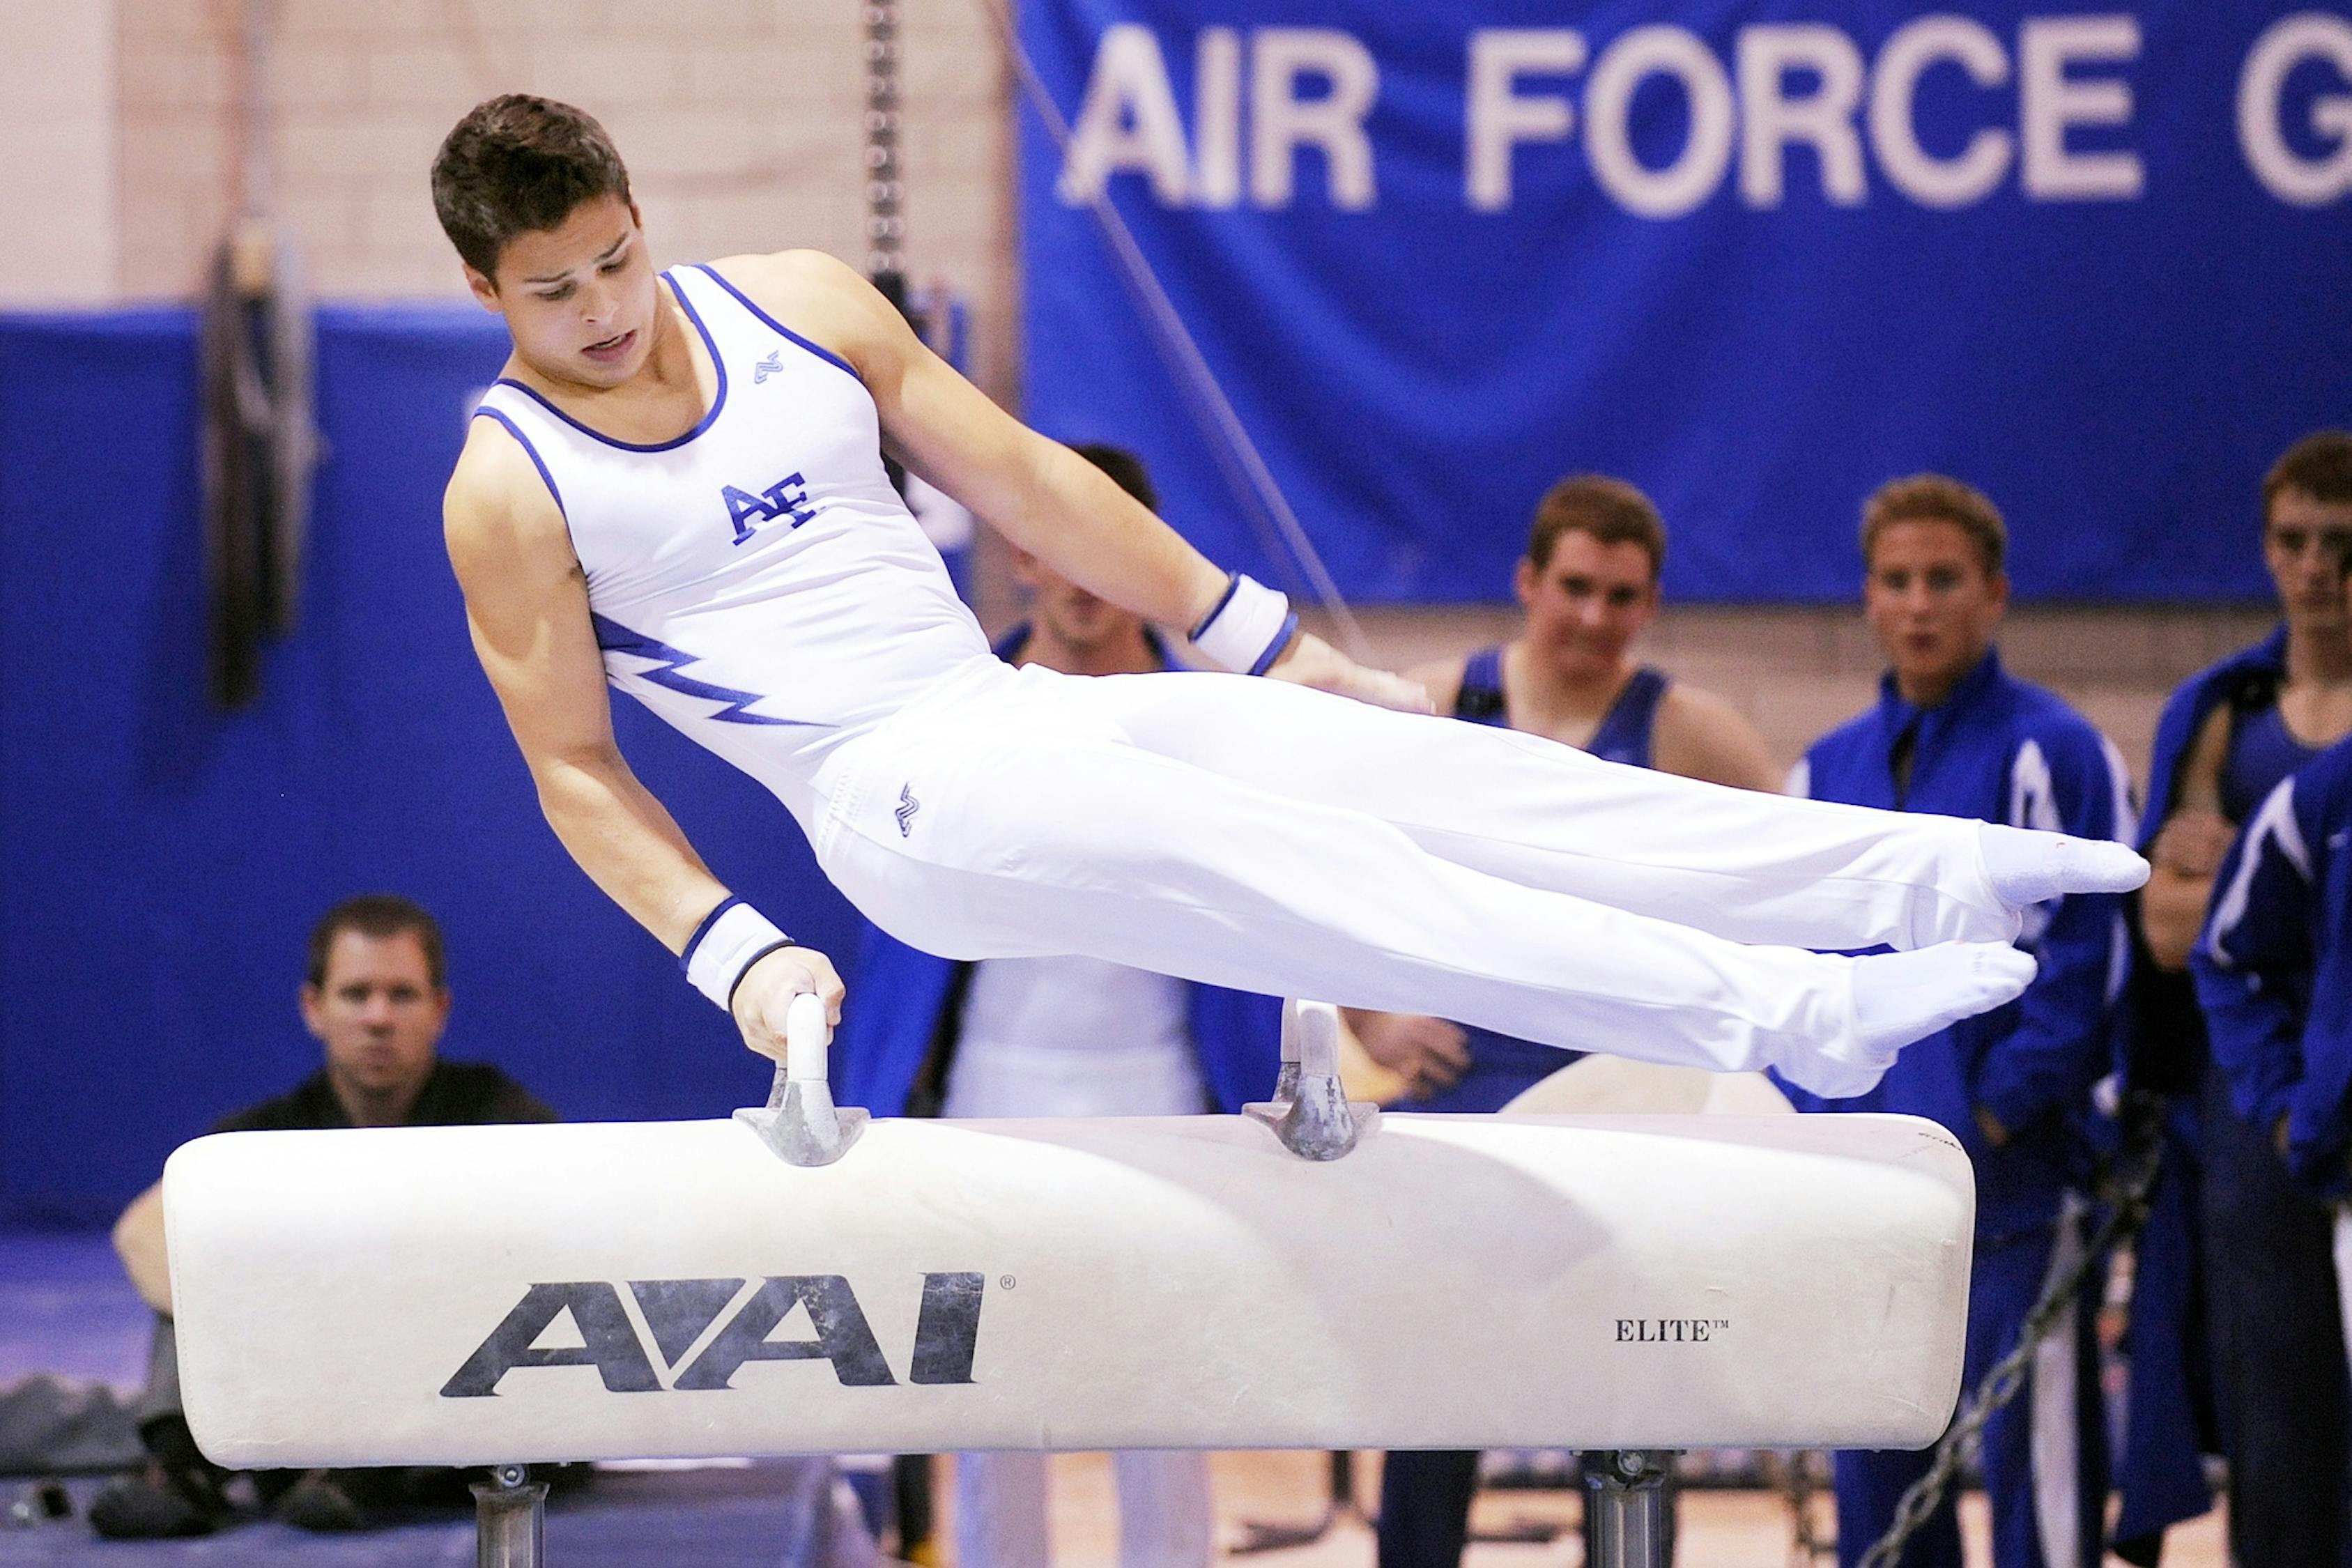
2233 1257
1953 732
2274 974
1060 1037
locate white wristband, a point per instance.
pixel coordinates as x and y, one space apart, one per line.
1248 628
731 938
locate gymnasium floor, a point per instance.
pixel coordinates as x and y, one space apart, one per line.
66 1309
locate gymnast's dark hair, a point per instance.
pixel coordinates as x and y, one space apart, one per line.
517 164
378 915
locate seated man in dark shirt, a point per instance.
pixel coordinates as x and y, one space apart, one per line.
376 996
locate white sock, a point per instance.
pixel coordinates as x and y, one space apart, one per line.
2029 867
1899 997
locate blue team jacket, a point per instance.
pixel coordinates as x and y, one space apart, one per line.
2000 750
901 993
2163 1034
2274 969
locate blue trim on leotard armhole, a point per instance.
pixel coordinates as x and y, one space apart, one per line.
686 957
537 461
778 326
710 418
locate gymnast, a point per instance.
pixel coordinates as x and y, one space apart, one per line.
676 488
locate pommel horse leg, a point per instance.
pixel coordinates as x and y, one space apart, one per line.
510 1518
1625 1521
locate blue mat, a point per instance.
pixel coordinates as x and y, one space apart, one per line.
712 1519
66 1309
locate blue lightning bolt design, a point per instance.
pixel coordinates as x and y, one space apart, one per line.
615 637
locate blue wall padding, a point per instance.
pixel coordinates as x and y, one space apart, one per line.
163 860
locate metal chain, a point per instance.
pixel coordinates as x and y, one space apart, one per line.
2134 1173
1799 1481
886 226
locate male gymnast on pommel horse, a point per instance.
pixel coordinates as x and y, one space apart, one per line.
676 487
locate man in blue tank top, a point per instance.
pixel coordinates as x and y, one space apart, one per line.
931 1037
676 488
1953 731
1589 583
2235 1263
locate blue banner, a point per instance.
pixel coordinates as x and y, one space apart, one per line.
1756 258
164 859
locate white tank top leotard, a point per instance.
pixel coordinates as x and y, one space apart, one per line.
756 582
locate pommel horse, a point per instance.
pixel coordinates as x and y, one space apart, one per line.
802 1279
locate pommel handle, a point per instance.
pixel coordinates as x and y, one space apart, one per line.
800 1122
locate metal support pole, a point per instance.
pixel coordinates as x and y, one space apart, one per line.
1625 1519
510 1518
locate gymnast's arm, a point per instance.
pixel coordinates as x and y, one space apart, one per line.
1040 495
527 607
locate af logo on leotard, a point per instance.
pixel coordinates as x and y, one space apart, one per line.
788 499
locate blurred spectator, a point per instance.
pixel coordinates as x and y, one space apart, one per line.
376 997
1589 583
1060 1037
1954 733
2264 1303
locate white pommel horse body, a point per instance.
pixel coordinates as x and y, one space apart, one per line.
1316 1275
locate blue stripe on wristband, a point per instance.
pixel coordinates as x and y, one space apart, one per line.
778 944
1274 649
686 959
1232 586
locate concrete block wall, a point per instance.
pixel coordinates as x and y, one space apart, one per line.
742 121
60 134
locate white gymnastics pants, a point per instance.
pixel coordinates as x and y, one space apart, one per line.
1255 835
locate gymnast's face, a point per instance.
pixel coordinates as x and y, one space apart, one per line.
1587 603
378 1014
579 299
1932 602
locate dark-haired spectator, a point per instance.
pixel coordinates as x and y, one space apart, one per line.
2234 1261
376 994
1589 585
1954 733
1060 1037
2273 970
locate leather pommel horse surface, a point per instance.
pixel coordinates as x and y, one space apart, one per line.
487 1295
